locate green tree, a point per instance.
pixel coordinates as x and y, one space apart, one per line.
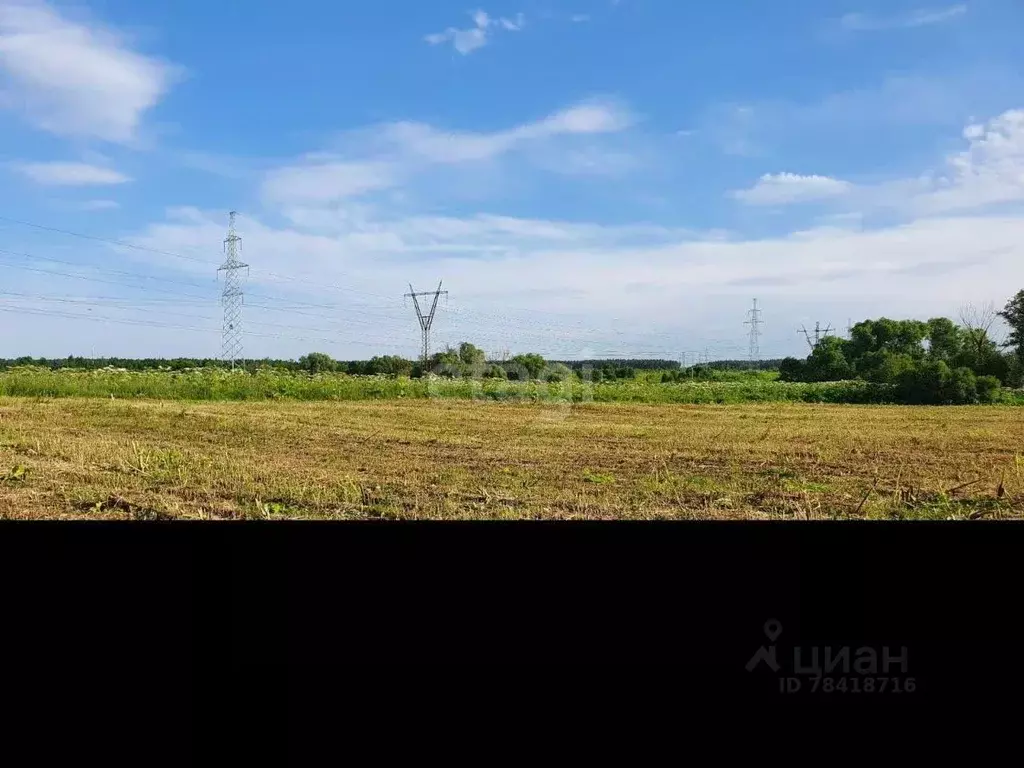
988 389
316 362
389 365
532 363
827 361
446 363
495 371
891 367
945 339
871 341
932 382
471 355
556 372
1013 316
791 369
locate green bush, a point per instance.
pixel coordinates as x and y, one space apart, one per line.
988 388
495 371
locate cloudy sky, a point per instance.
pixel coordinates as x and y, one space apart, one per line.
587 177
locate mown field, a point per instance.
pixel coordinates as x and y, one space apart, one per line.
446 459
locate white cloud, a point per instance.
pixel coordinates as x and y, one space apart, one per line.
389 154
465 41
326 182
513 25
441 146
784 188
897 102
100 205
74 79
859 22
71 174
579 18
989 172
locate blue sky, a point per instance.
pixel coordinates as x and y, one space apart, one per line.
588 177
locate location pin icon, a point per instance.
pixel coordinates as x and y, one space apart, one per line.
772 628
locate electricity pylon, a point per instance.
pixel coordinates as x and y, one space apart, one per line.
426 321
819 334
232 298
755 320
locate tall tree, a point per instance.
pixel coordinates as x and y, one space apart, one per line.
1013 314
978 321
944 339
471 355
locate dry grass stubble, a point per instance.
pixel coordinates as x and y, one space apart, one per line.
79 458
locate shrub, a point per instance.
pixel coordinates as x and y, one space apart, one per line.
791 369
931 382
317 362
961 388
556 372
532 363
988 388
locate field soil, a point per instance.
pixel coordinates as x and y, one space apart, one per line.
460 459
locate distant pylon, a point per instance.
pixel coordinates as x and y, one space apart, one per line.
232 298
754 321
819 334
426 321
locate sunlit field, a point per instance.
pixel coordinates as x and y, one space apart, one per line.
441 458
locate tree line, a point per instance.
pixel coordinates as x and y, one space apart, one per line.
464 360
928 362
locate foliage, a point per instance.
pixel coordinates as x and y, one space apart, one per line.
522 367
317 362
827 362
745 365
936 362
495 371
1013 315
607 370
710 373
988 389
388 365
932 382
641 364
471 356
218 384
556 373
791 369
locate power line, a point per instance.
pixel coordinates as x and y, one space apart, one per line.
375 318
291 278
559 336
165 326
110 241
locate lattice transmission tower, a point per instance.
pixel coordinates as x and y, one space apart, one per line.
754 320
819 334
232 299
427 320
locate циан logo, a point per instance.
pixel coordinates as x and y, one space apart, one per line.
830 669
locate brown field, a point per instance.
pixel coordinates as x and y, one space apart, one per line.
102 459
